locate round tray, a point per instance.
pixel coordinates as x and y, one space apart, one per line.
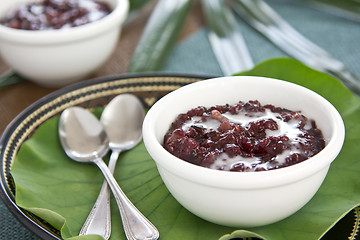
94 93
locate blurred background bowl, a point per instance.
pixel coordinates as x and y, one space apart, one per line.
55 58
243 199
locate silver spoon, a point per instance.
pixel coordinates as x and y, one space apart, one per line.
122 119
85 140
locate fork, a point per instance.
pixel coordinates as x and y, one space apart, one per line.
264 19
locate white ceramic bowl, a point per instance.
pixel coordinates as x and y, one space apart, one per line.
243 199
56 58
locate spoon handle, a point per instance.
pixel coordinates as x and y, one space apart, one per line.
99 219
136 225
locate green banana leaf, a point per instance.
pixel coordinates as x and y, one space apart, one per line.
62 191
10 78
219 17
159 35
137 4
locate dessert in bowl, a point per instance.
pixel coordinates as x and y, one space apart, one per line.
55 57
243 198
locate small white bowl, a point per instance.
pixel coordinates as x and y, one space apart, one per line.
243 199
55 58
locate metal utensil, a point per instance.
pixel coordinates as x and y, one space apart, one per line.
225 38
263 18
122 119
84 140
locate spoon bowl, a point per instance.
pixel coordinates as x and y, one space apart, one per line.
83 141
122 119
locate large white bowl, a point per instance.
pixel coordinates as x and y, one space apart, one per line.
55 58
243 199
